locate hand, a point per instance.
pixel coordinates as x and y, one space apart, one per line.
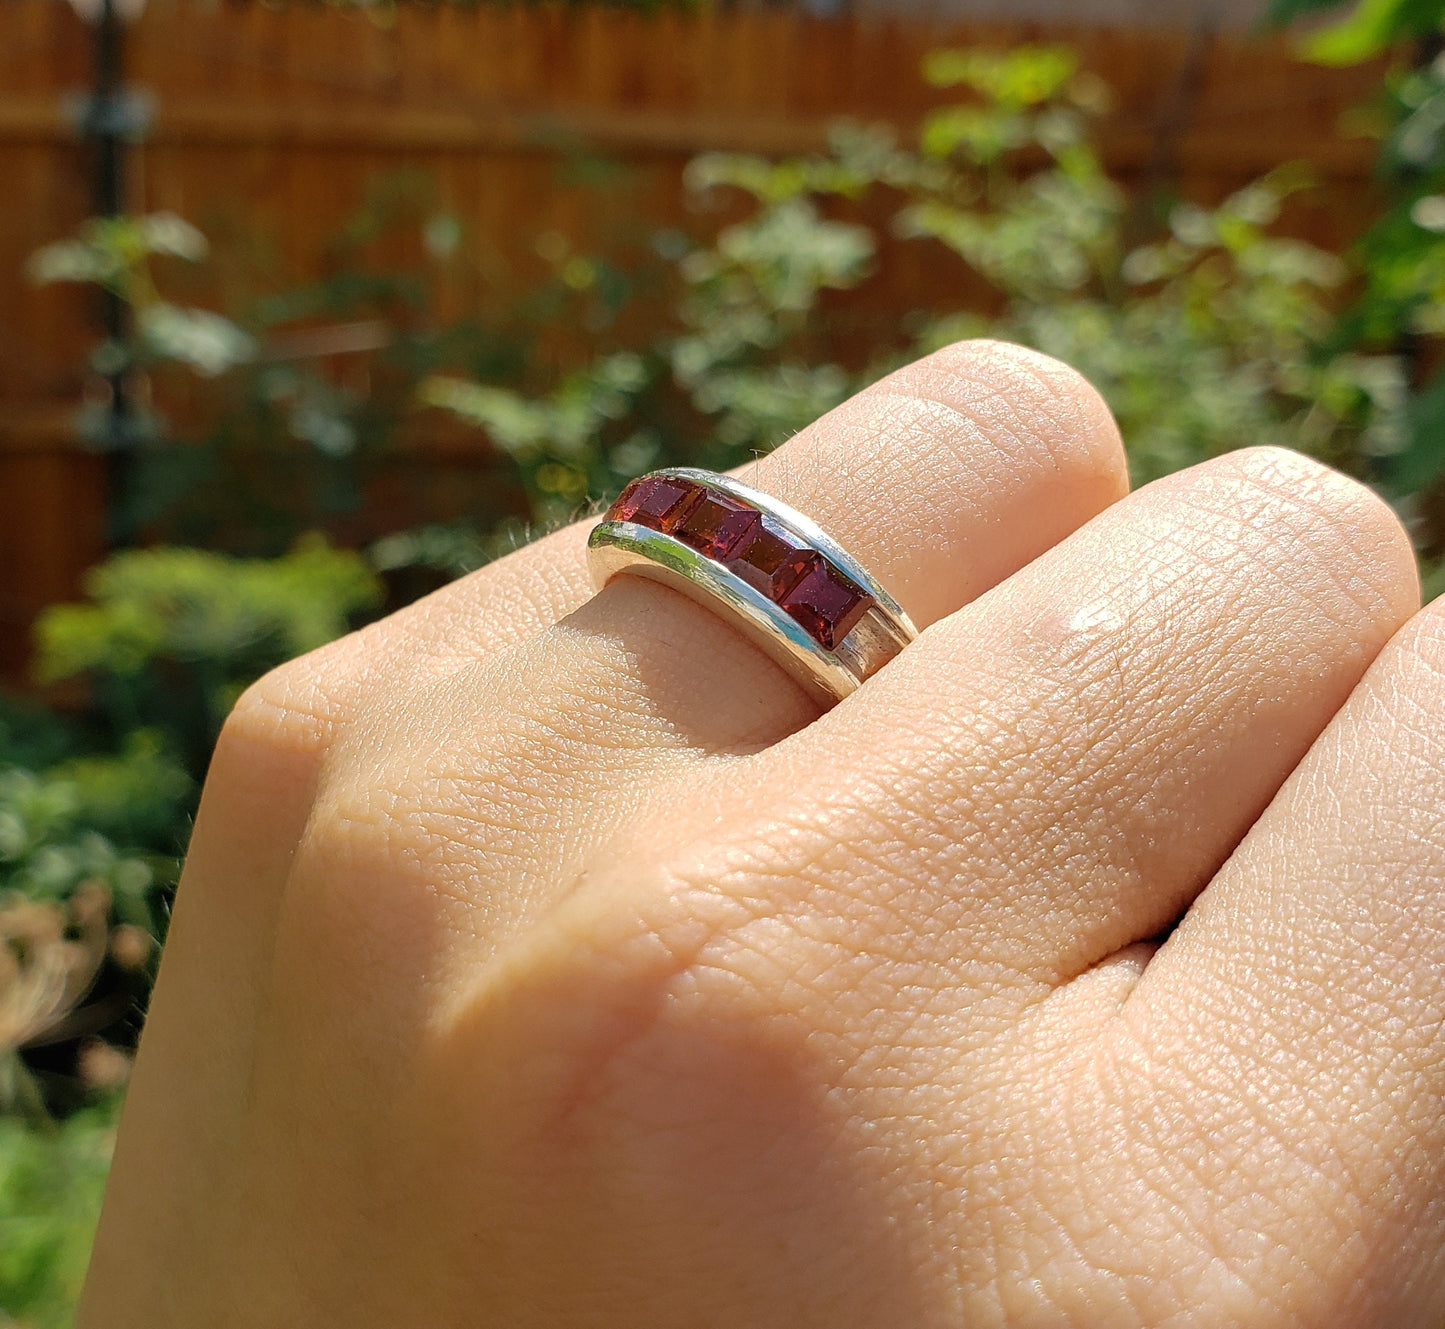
545 959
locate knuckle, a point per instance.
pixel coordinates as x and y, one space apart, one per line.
1009 361
1014 391
1292 478
359 832
1300 481
298 706
1292 504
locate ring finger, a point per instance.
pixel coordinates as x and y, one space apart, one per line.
943 480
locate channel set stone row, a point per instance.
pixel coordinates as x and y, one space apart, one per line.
802 582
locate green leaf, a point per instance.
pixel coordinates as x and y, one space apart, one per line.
51 1183
980 133
205 341
1019 78
198 606
166 233
1373 28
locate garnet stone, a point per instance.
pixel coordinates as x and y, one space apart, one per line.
758 558
800 581
820 598
656 501
717 524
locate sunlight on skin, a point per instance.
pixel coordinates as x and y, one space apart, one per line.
546 959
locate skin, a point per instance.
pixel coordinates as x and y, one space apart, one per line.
545 959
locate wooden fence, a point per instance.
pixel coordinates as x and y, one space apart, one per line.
276 119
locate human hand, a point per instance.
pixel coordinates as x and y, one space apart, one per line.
545 959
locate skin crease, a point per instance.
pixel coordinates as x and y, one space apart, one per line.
545 959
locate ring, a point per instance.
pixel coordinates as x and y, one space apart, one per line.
768 570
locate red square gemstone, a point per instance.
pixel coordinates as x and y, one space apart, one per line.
822 599
716 525
759 559
656 501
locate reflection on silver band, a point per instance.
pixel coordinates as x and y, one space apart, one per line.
818 612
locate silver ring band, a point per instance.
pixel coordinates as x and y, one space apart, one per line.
761 565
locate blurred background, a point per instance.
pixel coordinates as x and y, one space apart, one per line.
306 308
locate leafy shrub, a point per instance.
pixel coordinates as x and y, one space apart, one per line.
1203 329
59 828
51 1181
1401 258
115 254
94 818
70 819
262 439
1211 334
170 637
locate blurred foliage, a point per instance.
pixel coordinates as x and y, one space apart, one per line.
94 816
331 365
548 436
1401 304
1372 27
116 254
51 1180
59 827
383 12
1203 328
1210 333
169 638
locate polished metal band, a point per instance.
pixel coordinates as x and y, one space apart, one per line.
765 568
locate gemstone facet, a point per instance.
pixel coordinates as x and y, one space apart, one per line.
821 598
757 560
656 501
800 581
717 524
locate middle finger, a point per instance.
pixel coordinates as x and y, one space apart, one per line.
1055 771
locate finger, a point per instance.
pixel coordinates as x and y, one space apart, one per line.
942 478
1056 771
948 475
1303 996
991 453
988 454
945 477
